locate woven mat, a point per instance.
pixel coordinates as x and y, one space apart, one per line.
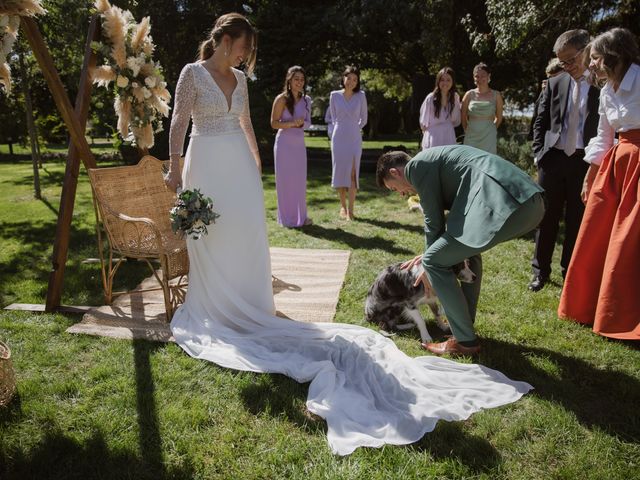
306 285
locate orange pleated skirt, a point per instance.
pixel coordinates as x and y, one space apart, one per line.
602 286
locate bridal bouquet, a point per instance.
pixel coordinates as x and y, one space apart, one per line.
192 213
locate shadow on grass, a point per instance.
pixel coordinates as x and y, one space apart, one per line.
391 225
49 206
280 396
354 241
58 456
48 178
148 425
449 440
599 398
32 261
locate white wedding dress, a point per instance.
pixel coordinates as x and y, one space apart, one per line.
369 392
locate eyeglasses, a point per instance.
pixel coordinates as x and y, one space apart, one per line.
570 61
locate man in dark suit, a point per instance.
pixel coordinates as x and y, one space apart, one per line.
489 201
567 119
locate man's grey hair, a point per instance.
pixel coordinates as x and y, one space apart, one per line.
577 39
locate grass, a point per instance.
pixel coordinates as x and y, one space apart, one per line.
112 409
98 145
412 142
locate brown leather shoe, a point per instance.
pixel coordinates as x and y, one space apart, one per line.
451 347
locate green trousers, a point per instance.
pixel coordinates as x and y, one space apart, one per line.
460 300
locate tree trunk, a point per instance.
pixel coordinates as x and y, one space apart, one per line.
11 151
33 136
38 148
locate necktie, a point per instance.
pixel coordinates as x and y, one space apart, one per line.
574 119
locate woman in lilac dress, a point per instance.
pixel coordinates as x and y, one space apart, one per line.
290 115
348 109
440 112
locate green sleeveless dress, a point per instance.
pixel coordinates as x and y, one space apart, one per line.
481 131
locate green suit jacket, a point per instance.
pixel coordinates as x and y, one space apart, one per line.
480 190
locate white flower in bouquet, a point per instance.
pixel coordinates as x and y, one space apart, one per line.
134 65
146 92
122 81
150 82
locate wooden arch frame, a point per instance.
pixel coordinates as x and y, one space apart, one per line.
75 120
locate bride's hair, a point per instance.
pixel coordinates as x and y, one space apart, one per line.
286 91
236 26
440 102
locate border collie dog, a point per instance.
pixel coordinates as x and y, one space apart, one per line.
392 302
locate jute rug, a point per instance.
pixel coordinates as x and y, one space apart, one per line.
306 285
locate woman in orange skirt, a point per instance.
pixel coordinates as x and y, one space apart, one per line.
601 287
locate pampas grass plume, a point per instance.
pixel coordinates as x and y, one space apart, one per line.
24 8
103 75
139 35
102 5
5 77
115 26
123 110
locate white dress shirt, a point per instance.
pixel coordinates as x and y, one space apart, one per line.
584 95
619 112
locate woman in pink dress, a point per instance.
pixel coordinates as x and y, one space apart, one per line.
440 112
290 115
349 115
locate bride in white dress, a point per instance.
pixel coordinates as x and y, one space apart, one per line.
369 392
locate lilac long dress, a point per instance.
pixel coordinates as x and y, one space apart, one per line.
349 117
291 166
439 130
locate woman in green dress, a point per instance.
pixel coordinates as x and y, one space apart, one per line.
482 112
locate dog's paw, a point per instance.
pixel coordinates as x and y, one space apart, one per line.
426 339
384 333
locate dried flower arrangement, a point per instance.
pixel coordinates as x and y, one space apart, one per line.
10 13
142 98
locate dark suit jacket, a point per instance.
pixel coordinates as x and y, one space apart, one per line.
551 112
480 190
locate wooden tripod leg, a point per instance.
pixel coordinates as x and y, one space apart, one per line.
78 148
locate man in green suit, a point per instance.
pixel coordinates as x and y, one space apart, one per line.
489 200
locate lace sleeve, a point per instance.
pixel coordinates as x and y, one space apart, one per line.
184 99
245 122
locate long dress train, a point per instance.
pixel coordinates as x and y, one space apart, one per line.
369 392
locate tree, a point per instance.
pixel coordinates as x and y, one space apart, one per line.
13 129
521 34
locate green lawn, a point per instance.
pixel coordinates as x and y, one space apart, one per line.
113 409
98 145
412 142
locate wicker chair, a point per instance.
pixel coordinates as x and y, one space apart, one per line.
132 208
